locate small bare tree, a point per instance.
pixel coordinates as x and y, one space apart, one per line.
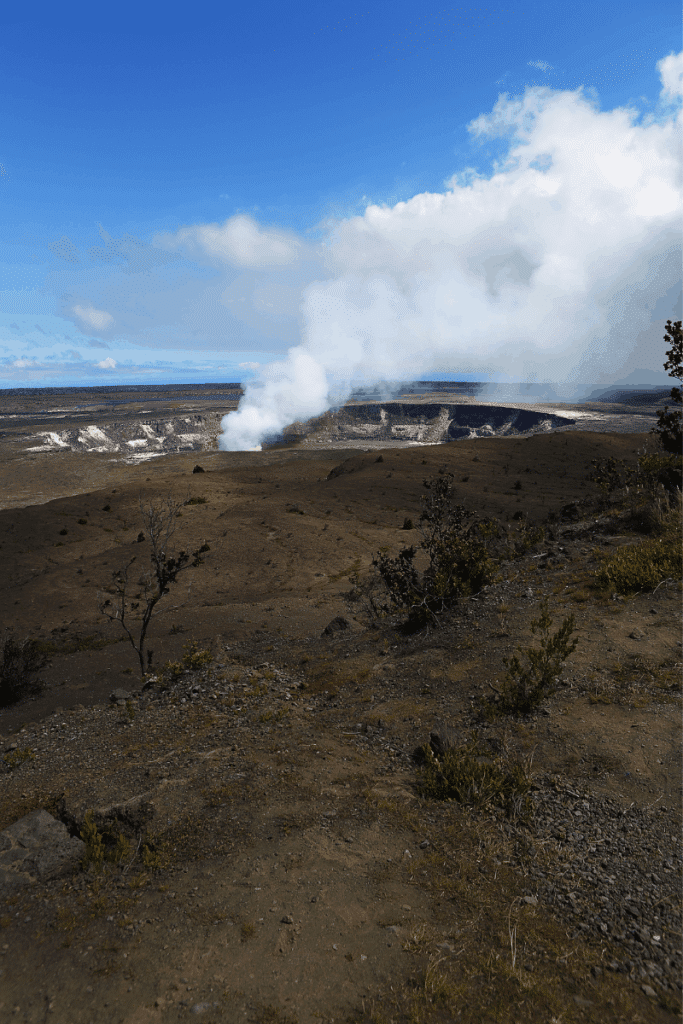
160 523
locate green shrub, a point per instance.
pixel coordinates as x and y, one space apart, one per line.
472 776
642 566
609 475
656 476
459 562
526 537
533 677
193 658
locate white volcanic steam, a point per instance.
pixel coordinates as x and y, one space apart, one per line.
557 268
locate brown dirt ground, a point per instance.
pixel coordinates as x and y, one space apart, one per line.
286 845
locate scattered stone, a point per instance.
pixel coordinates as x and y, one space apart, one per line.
605 892
442 738
648 991
337 625
119 696
35 848
198 469
287 919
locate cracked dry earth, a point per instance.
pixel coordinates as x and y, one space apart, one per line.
281 863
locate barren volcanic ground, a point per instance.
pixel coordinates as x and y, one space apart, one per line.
278 861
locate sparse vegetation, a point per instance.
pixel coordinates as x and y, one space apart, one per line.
94 844
472 775
645 565
533 676
458 559
160 523
13 758
193 658
525 538
255 774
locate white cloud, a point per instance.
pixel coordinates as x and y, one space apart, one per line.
107 364
549 270
239 241
94 318
671 73
249 366
541 65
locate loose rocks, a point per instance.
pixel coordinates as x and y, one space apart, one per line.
614 872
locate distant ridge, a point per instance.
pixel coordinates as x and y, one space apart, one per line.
653 395
106 389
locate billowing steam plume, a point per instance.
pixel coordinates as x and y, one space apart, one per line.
550 270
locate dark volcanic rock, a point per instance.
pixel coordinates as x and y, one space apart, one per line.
35 848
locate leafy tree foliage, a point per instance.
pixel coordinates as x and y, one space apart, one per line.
668 428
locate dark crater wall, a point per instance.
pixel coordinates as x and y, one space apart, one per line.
422 423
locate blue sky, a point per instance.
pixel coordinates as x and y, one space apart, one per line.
213 193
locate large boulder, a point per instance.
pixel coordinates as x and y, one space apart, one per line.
35 848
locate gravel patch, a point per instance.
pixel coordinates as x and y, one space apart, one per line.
614 872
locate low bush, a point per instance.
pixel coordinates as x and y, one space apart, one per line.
471 775
533 676
193 658
108 845
655 478
645 565
456 553
523 540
